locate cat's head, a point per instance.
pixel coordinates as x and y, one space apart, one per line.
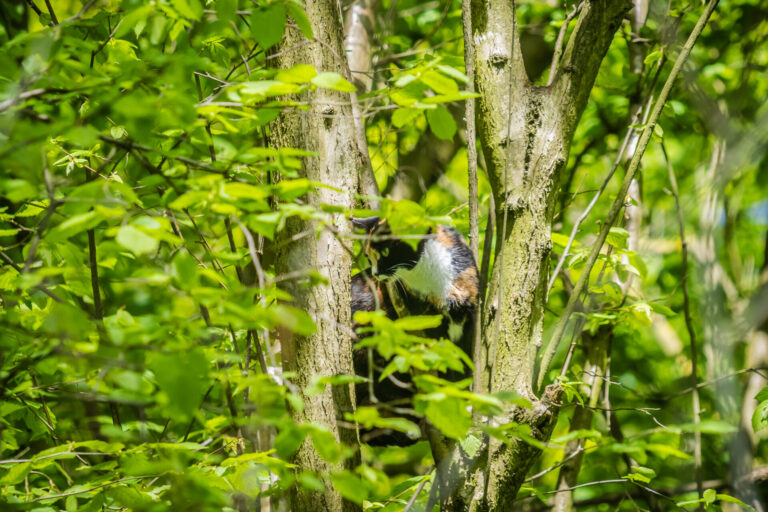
385 252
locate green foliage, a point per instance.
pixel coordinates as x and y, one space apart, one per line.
140 204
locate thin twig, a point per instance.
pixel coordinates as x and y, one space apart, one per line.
54 20
262 280
577 451
35 7
192 421
18 269
21 97
559 42
54 203
688 325
81 12
90 489
415 493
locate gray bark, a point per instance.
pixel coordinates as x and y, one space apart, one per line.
327 128
526 133
358 26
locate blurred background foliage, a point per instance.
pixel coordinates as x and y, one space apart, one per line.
139 297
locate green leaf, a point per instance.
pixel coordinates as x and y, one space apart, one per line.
309 481
709 496
561 240
762 395
131 19
289 440
450 416
404 116
191 9
183 378
438 82
731 499
226 10
264 224
448 98
268 24
325 444
706 427
74 225
295 319
350 486
418 323
618 237
661 309
453 73
16 474
298 74
658 131
665 450
136 241
333 81
471 445
760 416
441 123
300 17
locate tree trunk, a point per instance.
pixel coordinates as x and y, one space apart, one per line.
526 134
328 129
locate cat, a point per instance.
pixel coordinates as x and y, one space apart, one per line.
439 277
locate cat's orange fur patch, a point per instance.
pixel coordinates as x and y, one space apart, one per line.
443 237
465 286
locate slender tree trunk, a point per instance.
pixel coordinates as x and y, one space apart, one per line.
328 129
359 24
526 133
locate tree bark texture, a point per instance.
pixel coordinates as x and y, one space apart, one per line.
328 129
526 133
359 24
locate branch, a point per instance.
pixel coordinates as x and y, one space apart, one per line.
613 214
588 44
503 83
5 105
54 20
359 24
52 205
469 114
129 145
90 489
688 324
559 42
18 269
81 12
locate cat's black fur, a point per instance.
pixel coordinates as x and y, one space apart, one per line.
438 278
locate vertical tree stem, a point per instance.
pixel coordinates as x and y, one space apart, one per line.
688 326
469 114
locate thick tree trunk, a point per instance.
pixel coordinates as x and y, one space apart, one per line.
328 129
526 133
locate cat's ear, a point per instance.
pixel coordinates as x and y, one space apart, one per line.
368 224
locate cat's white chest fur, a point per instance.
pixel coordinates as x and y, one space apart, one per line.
432 276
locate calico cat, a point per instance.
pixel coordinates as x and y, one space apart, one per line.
438 278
